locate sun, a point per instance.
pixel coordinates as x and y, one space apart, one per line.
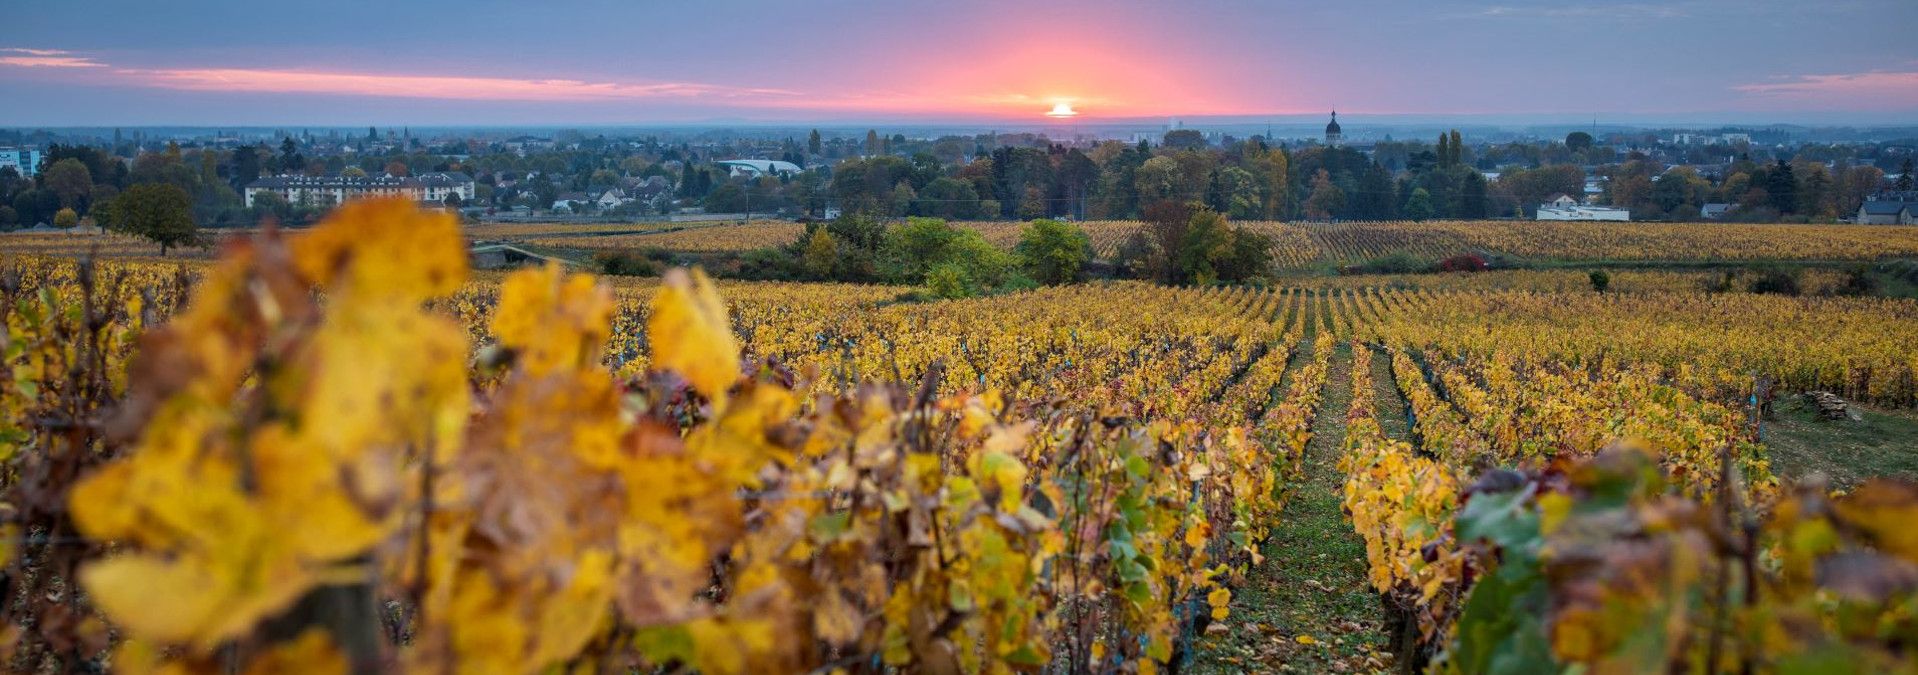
1062 109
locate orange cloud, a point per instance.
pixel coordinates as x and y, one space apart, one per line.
1024 77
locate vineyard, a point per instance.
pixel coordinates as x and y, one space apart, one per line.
343 450
1310 245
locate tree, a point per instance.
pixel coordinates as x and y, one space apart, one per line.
290 159
1213 251
1374 199
1782 187
1274 169
1157 180
1904 175
1815 192
1577 141
903 198
157 212
1236 192
1207 241
1471 196
1184 139
1053 252
873 145
69 180
352 172
1419 206
66 219
1166 222
397 169
949 198
820 255
246 165
1326 199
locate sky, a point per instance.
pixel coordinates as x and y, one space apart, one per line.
481 62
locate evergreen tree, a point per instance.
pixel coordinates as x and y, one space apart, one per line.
813 143
1782 187
1419 207
1471 196
1904 176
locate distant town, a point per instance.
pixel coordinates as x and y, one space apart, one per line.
1350 171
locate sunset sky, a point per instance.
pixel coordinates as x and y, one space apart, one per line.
205 62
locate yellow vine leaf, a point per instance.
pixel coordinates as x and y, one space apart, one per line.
384 249
691 335
1220 600
312 652
552 322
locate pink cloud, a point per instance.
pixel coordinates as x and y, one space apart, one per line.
1851 89
44 58
454 87
430 86
34 52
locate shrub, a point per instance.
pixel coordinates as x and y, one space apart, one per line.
624 264
1469 262
1212 251
949 281
1396 263
913 250
1601 281
1858 283
1054 252
1725 282
768 264
1776 282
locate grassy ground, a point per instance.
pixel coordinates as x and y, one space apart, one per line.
1387 402
1308 608
1884 443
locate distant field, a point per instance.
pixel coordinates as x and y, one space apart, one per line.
1308 245
1297 246
103 245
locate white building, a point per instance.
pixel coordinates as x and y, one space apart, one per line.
23 161
1582 213
754 168
325 191
611 199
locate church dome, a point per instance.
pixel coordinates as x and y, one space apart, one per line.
1333 126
